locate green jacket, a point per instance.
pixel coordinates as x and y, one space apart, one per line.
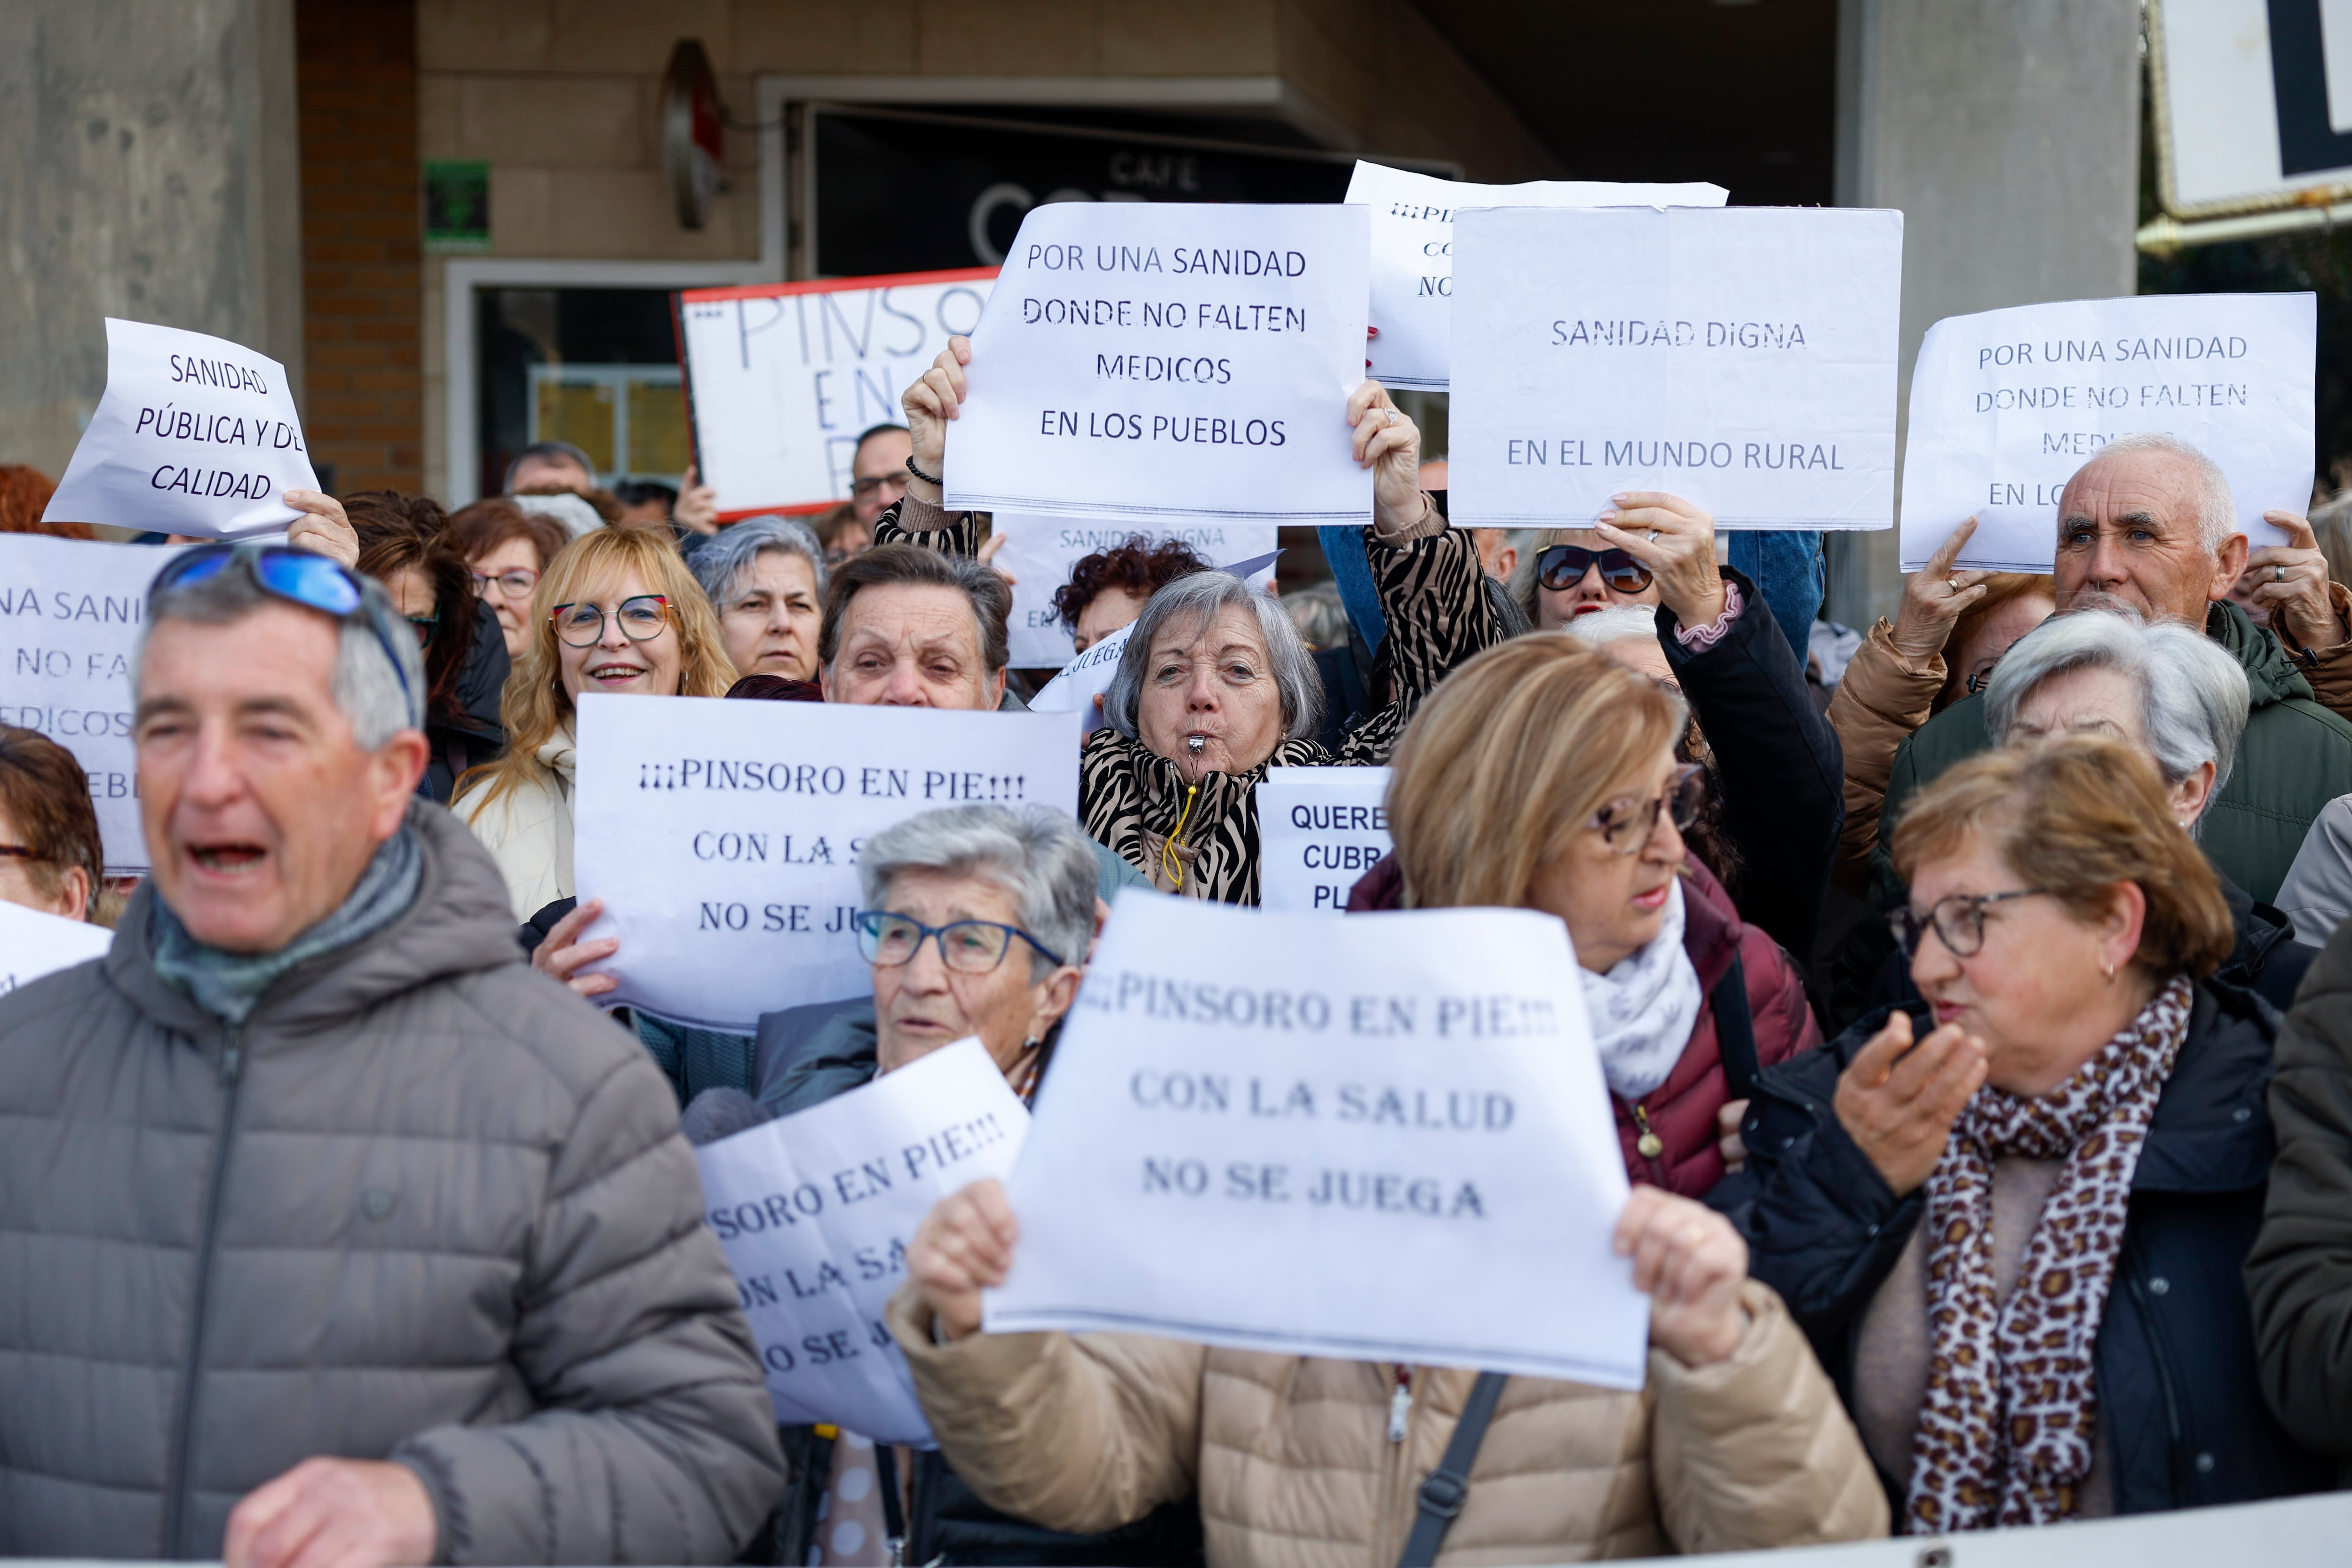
2295 757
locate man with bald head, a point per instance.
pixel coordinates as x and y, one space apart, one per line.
2149 528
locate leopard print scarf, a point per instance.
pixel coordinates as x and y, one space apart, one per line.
2007 1429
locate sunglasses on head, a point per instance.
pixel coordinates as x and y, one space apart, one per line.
1563 566
298 576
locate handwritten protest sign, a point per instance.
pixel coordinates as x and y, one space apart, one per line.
2006 405
193 435
1318 829
1412 253
1252 1117
1741 358
70 613
1040 552
815 1210
782 378
1150 362
33 944
723 836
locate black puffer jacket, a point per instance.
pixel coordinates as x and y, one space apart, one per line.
1777 762
2180 1406
947 1522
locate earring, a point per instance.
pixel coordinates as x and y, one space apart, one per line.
2108 971
1032 1042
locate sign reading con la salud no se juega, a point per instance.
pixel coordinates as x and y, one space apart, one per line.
2006 405
70 615
782 378
1159 363
1412 253
1040 551
723 836
34 943
815 1210
195 435
1383 1138
1319 830
1741 358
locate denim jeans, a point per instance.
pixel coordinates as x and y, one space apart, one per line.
1788 570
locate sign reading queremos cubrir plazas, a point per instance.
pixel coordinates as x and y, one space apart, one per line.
2006 405
1156 362
1412 253
1319 830
195 435
1742 358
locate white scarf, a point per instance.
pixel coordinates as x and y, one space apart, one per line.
1644 1009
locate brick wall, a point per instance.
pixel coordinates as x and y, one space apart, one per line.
363 304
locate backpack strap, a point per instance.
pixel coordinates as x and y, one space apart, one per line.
1735 1032
1444 1489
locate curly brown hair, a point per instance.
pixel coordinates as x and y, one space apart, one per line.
24 493
1138 567
399 532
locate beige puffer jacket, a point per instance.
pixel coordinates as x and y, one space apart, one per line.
1291 1458
1883 697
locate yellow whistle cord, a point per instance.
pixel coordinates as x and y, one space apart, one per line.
1171 865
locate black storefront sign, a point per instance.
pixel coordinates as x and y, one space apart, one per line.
897 191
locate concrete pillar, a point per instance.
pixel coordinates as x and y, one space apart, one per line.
152 172
2008 133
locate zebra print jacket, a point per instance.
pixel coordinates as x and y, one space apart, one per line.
1432 592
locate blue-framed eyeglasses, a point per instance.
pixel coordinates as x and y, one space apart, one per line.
967 947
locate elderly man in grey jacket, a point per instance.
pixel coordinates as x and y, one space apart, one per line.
331 1236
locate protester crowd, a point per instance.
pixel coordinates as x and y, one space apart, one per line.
338 1226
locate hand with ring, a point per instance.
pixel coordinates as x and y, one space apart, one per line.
1388 445
1934 599
2289 583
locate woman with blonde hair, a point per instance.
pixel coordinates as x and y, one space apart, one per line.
1542 775
616 611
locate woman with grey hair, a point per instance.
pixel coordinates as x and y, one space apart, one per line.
765 577
2167 691
1215 687
977 922
2176 699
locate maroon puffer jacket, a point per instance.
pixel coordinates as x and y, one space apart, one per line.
1682 1110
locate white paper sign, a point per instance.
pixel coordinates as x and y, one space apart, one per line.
1084 678
71 611
815 1210
1040 551
782 378
1743 359
723 836
33 944
2007 405
195 435
1383 1138
1319 830
1164 361
1412 253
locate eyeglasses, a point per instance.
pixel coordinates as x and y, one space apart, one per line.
426 626
1959 921
302 576
967 947
515 581
642 619
866 486
1627 824
1563 566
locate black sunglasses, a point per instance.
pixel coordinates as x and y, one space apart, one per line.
1563 566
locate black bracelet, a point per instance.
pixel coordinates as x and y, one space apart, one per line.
926 479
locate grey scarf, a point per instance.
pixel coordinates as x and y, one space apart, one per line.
229 984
